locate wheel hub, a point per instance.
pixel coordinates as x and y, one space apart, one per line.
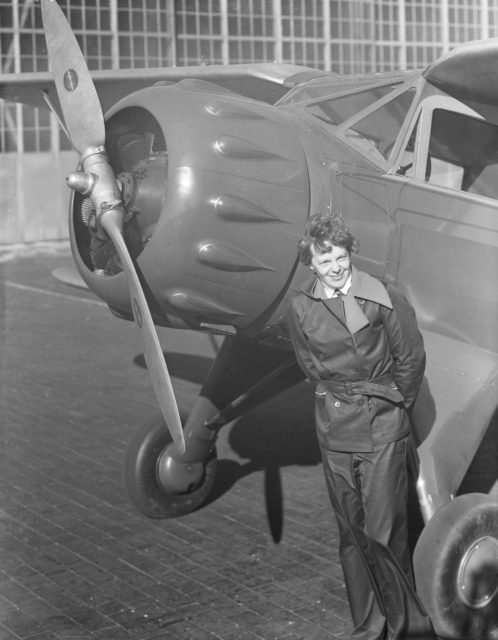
177 477
478 573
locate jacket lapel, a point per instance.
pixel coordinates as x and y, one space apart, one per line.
363 287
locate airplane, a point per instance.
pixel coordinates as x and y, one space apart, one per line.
188 202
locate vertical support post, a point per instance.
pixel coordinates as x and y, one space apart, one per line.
445 26
21 206
16 42
402 34
13 52
113 7
224 32
277 30
484 19
59 203
170 18
327 48
16 51
371 38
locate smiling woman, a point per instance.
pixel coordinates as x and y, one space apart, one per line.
359 344
326 249
333 268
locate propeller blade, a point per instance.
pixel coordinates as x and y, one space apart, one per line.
85 123
154 358
77 94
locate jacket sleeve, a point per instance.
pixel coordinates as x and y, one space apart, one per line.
300 344
407 346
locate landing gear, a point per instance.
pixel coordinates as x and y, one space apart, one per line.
456 568
161 482
160 485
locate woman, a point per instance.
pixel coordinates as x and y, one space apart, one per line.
359 343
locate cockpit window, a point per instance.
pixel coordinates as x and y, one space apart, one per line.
463 154
337 110
377 132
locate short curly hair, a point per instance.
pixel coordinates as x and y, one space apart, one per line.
322 232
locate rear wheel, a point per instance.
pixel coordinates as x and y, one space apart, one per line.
456 568
145 484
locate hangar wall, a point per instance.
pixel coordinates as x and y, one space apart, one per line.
345 36
34 197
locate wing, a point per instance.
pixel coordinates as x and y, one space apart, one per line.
264 82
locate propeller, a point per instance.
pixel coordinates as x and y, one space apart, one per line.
85 125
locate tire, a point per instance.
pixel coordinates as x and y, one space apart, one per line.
456 568
141 480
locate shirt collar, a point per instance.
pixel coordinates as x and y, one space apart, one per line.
362 285
322 291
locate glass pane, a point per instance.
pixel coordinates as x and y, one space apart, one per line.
124 20
381 128
463 154
138 20
6 18
337 110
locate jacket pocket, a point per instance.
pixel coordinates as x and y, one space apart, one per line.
334 414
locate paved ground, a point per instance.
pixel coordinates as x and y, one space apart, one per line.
76 559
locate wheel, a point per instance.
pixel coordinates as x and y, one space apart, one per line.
456 568
142 480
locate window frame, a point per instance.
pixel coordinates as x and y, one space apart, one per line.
341 130
424 115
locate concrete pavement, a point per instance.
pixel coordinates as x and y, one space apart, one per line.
76 559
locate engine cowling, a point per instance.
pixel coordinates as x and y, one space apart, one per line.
217 192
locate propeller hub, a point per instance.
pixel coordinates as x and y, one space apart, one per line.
105 193
81 182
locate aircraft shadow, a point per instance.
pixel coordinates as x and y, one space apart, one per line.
277 434
280 433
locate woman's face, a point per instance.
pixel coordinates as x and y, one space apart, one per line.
332 267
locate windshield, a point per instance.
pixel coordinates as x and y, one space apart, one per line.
377 132
337 110
327 87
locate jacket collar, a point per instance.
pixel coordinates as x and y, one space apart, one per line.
366 287
363 286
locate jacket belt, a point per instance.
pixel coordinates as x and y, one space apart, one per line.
382 386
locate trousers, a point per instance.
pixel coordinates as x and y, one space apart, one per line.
369 493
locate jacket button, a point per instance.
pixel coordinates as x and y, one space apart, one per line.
337 404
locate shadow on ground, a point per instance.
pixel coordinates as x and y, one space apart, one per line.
280 433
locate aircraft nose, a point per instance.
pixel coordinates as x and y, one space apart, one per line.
231 178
